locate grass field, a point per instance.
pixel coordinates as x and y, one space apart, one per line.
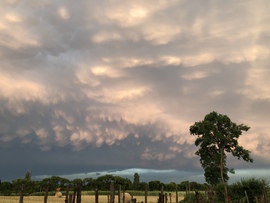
85 199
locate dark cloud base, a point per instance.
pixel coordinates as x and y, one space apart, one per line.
98 85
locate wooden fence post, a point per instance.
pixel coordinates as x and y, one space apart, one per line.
176 194
132 199
145 193
46 194
187 191
189 196
79 193
198 197
124 196
119 193
96 195
74 194
112 192
161 195
21 194
67 191
70 197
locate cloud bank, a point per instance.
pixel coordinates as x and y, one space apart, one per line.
91 80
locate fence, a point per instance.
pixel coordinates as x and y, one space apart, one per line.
113 196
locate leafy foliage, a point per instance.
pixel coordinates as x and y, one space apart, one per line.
191 190
136 181
54 182
103 182
155 185
216 136
251 186
195 197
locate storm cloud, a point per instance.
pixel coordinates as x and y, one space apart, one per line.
98 85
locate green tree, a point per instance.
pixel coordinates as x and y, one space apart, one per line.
183 186
136 181
143 186
89 184
170 186
103 182
217 135
197 186
5 188
24 184
124 182
54 182
155 185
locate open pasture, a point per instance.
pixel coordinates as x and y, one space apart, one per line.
85 199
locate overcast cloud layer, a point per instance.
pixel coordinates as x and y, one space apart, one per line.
114 84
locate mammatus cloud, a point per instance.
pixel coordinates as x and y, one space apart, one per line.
112 74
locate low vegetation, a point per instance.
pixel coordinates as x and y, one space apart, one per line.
250 190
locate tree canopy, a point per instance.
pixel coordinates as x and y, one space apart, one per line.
217 135
136 181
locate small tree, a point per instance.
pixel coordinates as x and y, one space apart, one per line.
136 181
218 135
24 183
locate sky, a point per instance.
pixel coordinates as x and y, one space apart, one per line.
112 86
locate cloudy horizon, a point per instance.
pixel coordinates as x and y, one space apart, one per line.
91 86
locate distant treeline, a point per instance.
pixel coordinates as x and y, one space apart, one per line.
247 190
101 183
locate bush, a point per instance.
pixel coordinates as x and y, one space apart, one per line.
251 186
195 197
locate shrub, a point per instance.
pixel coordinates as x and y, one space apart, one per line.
194 197
251 186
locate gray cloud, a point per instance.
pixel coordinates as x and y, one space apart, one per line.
103 78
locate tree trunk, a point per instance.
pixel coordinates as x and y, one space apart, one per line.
79 194
221 175
46 194
21 194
